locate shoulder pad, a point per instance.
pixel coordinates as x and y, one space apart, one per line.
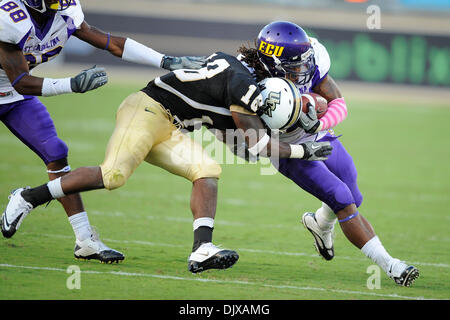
322 57
75 12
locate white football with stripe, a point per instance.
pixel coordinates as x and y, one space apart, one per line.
319 102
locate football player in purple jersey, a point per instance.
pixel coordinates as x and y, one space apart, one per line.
33 32
283 49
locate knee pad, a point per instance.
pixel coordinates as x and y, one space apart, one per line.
54 149
341 198
357 196
358 199
113 178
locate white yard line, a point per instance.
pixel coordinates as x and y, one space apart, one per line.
232 282
271 252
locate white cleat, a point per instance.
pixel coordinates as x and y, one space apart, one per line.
403 274
16 210
94 248
208 256
323 240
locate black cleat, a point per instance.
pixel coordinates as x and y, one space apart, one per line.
406 277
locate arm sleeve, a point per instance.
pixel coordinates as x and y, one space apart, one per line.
136 52
336 113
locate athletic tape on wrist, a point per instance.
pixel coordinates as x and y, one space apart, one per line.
54 87
297 151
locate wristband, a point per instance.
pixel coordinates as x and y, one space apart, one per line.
297 151
136 52
54 87
19 78
107 42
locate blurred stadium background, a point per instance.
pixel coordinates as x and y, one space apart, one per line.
411 49
401 152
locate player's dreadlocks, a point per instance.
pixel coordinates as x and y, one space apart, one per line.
250 57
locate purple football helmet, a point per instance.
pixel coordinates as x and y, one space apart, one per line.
285 51
47 5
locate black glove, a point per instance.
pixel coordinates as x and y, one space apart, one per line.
175 63
89 79
316 150
308 121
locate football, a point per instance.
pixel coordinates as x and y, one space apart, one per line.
319 102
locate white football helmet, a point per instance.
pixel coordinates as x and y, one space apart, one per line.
282 103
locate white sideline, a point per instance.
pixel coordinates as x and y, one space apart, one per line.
235 282
159 244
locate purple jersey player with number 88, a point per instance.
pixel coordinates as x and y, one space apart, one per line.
33 32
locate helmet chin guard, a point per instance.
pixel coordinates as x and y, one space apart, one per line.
285 51
282 103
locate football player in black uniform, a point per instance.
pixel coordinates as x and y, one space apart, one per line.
221 95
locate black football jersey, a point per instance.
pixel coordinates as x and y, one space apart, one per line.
204 96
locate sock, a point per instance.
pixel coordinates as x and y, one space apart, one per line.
374 250
325 217
80 225
37 196
44 193
203 230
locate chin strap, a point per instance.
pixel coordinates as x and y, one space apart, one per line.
54 6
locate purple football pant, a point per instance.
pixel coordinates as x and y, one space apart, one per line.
333 181
30 121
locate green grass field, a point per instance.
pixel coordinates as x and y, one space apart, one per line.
402 154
